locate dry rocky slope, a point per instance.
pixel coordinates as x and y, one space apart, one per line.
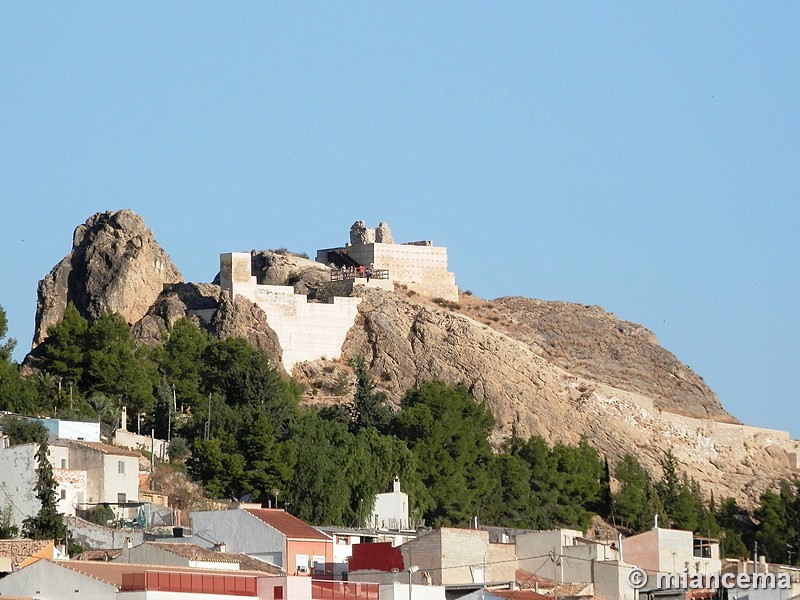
553 369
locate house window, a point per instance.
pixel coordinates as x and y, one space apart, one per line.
63 494
63 463
301 560
121 498
318 564
277 592
121 467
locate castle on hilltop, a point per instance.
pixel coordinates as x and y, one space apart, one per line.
420 266
313 330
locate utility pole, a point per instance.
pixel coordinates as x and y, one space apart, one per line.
208 420
169 415
755 558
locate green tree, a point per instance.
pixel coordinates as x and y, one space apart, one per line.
48 523
15 394
633 504
64 350
7 346
8 529
734 523
775 530
23 431
116 367
180 361
368 408
448 431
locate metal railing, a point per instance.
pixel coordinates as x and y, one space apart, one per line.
352 274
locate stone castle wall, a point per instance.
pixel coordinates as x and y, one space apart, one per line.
305 330
420 266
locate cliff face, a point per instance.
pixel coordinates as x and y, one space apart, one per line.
406 341
553 369
115 265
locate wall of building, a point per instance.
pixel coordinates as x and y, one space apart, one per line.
96 537
391 509
305 330
294 588
241 532
17 480
451 556
71 491
502 562
133 441
381 556
45 579
611 580
534 548
115 483
400 591
72 430
314 551
422 268
668 551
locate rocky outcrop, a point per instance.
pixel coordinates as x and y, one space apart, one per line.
406 343
242 318
115 265
283 268
590 342
196 301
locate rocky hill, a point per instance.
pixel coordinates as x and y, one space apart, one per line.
554 369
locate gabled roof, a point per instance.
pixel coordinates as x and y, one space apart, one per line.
289 525
111 572
21 550
102 448
194 552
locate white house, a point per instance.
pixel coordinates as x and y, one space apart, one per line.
391 509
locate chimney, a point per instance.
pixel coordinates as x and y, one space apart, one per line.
123 421
396 484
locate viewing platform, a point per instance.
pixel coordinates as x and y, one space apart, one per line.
352 273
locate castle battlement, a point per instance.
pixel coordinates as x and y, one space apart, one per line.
420 266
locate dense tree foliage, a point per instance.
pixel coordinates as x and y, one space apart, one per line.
246 437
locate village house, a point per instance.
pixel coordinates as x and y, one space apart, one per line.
190 555
672 551
112 474
446 556
344 538
269 534
566 556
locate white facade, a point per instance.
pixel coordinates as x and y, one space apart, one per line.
112 474
400 591
306 330
391 509
72 430
47 580
17 480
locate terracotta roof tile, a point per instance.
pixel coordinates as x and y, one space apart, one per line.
104 448
289 525
22 549
111 572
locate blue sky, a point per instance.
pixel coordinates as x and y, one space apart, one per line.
644 157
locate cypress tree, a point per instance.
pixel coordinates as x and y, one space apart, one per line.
48 523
